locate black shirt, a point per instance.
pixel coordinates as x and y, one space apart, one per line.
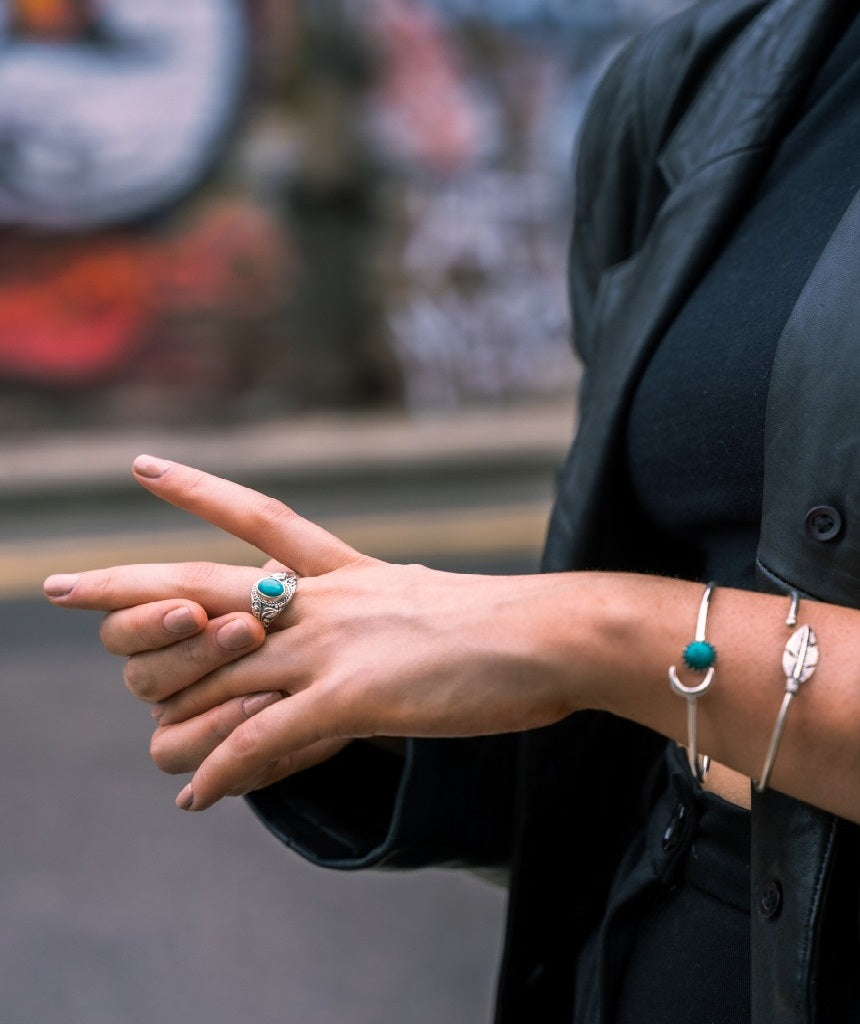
695 437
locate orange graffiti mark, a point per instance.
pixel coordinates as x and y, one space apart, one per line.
54 19
72 310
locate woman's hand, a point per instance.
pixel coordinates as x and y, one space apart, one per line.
370 649
365 648
173 649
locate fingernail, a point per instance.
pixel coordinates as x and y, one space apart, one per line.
179 621
60 585
234 635
150 467
157 711
257 701
185 799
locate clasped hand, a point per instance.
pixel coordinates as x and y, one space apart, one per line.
364 649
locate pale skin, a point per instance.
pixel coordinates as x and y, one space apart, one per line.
372 649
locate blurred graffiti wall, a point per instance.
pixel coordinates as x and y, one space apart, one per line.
234 209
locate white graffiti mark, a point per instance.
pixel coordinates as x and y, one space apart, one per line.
484 314
92 133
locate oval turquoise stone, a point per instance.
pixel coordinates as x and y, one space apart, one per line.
271 588
699 655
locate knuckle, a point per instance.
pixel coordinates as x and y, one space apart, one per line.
198 577
224 721
140 636
103 583
185 704
246 740
190 656
164 754
108 635
138 680
197 659
270 511
362 561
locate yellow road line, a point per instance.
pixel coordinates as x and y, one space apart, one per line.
402 536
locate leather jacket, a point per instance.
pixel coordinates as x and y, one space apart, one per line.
695 111
677 134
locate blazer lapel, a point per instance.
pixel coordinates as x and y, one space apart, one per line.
812 442
711 162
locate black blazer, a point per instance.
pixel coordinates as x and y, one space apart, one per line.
695 111
678 133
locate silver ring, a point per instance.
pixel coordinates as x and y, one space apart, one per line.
271 595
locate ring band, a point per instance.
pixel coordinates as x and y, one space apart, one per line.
271 595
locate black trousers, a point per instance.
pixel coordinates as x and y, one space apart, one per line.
674 943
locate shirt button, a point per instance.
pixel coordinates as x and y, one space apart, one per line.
770 903
823 523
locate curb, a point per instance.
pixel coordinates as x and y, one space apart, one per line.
308 451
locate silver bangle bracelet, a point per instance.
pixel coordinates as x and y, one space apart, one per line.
799 661
700 656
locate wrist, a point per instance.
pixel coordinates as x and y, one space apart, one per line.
618 634
581 628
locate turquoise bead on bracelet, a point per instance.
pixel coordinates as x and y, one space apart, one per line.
699 655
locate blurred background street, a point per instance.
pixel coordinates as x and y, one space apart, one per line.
116 908
317 247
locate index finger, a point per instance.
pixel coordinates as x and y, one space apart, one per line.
264 522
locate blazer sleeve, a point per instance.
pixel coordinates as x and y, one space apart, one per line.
446 803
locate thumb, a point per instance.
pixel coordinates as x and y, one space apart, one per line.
272 527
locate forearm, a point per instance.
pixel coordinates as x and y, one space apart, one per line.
612 637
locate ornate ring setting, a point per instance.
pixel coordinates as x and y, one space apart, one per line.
271 595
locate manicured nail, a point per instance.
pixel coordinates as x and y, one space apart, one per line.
234 635
60 585
150 467
157 711
257 701
179 621
185 799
